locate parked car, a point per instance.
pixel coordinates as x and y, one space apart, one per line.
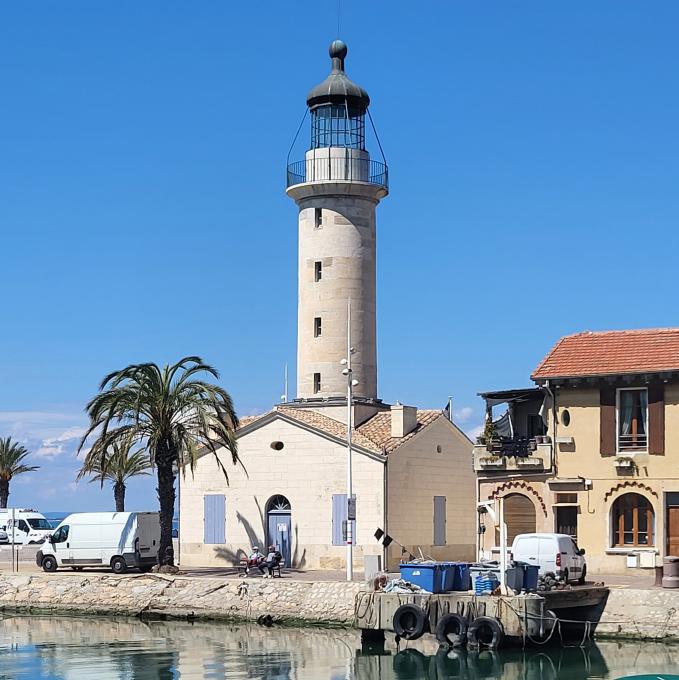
557 553
119 540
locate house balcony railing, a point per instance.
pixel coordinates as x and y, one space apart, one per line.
632 442
330 168
519 453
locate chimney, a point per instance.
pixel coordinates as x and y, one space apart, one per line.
403 420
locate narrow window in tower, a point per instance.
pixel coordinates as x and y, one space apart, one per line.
318 271
317 383
318 218
317 327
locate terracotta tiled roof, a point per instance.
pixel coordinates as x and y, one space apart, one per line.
378 428
373 435
329 425
612 353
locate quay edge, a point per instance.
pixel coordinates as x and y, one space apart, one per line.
642 614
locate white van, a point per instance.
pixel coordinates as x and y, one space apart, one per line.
27 525
557 553
120 540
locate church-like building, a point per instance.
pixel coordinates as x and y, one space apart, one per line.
412 475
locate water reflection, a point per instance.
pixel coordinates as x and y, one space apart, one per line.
122 649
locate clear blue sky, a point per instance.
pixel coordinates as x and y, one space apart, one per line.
534 161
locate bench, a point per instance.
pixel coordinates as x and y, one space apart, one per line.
244 569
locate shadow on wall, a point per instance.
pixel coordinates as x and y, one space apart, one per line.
257 536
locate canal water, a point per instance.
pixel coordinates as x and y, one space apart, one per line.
36 647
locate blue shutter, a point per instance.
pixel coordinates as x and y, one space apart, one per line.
214 512
439 520
339 516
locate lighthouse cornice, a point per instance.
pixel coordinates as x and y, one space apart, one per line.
340 188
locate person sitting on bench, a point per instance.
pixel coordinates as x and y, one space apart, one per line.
255 559
273 559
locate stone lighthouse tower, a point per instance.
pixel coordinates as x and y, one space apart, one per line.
337 188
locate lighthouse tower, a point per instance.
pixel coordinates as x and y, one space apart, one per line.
337 188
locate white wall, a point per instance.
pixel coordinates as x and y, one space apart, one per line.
308 471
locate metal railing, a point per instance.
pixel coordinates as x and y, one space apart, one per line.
632 442
329 169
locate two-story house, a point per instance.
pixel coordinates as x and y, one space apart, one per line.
592 450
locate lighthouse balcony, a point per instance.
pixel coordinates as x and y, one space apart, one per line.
337 164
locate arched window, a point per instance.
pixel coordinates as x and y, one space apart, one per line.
278 504
519 516
633 522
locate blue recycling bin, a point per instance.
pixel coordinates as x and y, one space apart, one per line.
455 576
426 575
530 577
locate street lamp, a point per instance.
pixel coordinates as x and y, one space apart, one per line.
351 504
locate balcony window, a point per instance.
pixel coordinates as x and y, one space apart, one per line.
633 522
632 420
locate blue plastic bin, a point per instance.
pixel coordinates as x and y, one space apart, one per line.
427 575
455 576
530 577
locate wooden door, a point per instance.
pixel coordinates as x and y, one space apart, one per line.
519 516
673 531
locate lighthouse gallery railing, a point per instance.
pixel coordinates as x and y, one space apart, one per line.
344 169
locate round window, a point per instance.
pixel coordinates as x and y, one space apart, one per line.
439 448
277 446
565 418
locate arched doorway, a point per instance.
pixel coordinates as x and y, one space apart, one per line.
519 516
279 525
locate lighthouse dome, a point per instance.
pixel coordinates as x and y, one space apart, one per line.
338 88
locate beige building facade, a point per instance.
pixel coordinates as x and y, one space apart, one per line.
593 450
416 486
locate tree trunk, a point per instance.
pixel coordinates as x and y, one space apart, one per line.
164 467
4 492
119 495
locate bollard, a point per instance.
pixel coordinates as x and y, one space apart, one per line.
670 578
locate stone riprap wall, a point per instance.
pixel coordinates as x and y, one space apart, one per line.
652 614
181 597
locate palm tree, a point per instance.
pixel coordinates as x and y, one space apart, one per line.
118 466
171 413
12 455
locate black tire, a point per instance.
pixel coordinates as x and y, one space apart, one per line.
409 622
583 576
77 568
146 569
485 631
118 565
49 563
410 663
451 630
565 575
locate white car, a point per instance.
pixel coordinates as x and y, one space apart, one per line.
557 553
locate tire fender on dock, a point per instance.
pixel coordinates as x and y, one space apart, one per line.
451 630
410 622
485 631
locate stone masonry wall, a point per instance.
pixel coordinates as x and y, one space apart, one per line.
652 614
639 614
176 596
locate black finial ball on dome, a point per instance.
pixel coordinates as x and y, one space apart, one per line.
337 49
